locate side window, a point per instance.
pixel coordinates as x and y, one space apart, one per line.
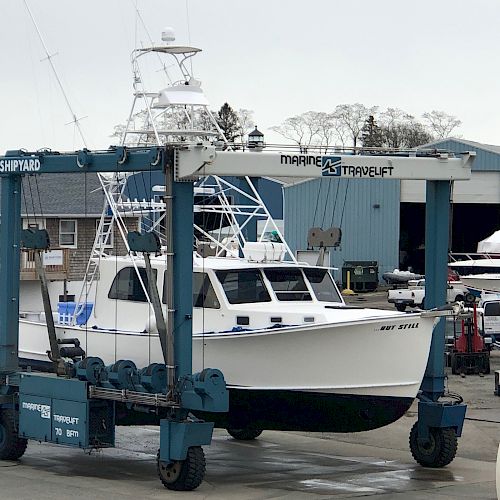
126 285
203 292
244 286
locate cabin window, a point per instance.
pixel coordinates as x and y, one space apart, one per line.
126 285
243 287
322 284
203 292
288 284
67 233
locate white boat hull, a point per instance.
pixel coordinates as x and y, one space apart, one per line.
368 370
482 282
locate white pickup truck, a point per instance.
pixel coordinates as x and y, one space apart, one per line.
414 295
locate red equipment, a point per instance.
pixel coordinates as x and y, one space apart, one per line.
470 354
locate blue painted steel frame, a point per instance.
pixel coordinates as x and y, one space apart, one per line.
9 272
182 226
437 218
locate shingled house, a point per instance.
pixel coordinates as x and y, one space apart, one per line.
69 206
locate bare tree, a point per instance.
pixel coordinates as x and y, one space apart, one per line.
327 131
393 123
245 123
352 118
341 131
401 130
302 129
441 124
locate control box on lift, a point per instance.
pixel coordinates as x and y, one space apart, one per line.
58 410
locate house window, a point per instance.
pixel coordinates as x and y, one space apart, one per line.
105 239
67 233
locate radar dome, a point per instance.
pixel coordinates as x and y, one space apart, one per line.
168 35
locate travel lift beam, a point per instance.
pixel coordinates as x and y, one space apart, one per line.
28 400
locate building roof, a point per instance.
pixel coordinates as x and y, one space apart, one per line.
474 144
255 132
487 155
76 195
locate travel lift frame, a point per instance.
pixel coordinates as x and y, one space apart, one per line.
77 409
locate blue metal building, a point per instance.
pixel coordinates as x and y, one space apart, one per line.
384 220
367 211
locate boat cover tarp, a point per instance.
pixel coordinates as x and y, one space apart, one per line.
490 245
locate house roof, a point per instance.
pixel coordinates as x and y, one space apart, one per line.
76 195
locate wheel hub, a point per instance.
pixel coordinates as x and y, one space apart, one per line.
428 447
170 472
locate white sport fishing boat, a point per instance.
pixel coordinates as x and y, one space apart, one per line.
293 354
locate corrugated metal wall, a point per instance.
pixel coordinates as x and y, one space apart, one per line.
485 160
368 232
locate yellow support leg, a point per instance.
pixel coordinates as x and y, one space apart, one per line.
348 291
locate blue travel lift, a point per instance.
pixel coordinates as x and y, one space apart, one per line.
76 406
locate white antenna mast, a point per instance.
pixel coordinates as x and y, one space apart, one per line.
49 57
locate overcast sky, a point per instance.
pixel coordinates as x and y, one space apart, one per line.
278 58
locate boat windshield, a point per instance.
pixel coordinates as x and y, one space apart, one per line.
243 286
288 284
322 284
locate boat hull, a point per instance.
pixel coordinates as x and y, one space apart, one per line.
347 376
482 283
308 411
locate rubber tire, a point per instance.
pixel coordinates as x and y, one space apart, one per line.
442 450
246 434
12 446
459 298
422 305
192 471
401 307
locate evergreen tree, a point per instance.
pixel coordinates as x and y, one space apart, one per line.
371 135
228 122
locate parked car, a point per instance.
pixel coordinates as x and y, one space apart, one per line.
414 295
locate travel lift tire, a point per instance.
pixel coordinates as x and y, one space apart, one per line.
245 434
12 446
440 450
183 475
